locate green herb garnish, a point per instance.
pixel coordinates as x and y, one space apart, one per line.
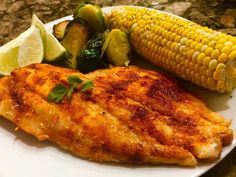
60 91
74 80
87 86
57 93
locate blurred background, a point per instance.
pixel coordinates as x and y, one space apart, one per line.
16 15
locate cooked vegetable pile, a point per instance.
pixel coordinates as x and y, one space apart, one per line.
88 44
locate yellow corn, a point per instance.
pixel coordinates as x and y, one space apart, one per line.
195 53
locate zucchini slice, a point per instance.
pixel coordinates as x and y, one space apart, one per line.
75 39
59 29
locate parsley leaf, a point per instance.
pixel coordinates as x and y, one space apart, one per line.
57 93
60 91
74 80
87 86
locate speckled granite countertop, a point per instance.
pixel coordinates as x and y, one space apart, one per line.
16 15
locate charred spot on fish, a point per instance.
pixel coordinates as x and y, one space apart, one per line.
117 86
139 112
39 81
130 75
181 120
165 89
89 97
18 100
136 155
33 66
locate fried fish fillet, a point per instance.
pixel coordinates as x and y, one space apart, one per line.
131 115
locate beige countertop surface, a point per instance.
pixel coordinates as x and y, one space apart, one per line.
16 15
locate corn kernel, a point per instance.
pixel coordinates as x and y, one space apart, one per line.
205 41
190 53
186 63
209 72
232 55
183 41
220 86
192 74
211 82
197 67
182 49
212 44
195 55
234 47
203 70
188 43
149 44
188 71
158 41
198 47
191 65
178 67
208 51
168 35
177 38
163 34
219 46
198 39
229 43
222 58
225 50
215 54
203 79
168 44
197 77
172 36
185 32
213 64
206 61
221 39
193 45
219 73
172 47
200 58
178 56
204 47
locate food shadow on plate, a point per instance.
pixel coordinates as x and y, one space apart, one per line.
208 97
20 135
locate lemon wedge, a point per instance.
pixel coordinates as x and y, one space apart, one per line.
53 50
26 49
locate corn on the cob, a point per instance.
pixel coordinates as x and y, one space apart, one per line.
195 53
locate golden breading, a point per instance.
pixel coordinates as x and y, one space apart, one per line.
131 115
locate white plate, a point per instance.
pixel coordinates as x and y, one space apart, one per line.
23 155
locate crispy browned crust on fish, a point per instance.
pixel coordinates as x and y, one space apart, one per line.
131 115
